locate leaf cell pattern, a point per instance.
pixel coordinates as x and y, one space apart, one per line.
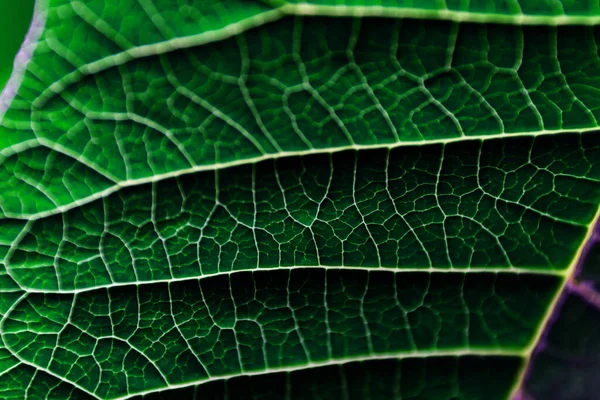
363 200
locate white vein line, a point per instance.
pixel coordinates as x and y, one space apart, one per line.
428 270
545 320
341 361
32 365
301 9
273 156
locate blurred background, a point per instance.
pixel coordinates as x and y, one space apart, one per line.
15 16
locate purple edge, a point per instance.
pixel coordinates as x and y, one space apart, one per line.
585 290
22 58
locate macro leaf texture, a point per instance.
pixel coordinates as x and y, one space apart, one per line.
239 199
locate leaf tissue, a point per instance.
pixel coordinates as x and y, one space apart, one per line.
354 199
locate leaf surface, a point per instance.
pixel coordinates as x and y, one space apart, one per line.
368 200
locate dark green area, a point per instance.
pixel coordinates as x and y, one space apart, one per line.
518 202
135 338
15 17
432 378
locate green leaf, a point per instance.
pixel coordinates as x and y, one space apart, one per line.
293 200
407 378
108 121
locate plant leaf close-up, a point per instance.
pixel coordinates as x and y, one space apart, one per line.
333 199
